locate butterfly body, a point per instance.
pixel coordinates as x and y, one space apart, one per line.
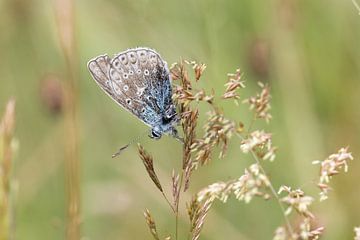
138 79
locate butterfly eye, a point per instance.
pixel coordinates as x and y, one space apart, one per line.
155 135
128 101
143 110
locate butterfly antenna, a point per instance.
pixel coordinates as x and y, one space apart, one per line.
127 145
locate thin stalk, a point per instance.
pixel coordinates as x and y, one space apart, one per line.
177 205
65 16
167 200
251 123
273 191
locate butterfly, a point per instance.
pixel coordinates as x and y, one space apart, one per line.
138 80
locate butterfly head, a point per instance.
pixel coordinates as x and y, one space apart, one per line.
167 124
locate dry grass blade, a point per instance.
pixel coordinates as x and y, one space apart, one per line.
149 166
7 126
65 19
151 224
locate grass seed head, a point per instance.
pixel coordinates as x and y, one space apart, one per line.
151 224
149 166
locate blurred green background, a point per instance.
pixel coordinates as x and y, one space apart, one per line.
308 51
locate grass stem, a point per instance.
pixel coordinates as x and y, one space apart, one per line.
273 191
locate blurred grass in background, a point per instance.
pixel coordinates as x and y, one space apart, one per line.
308 51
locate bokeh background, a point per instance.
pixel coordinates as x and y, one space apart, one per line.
308 51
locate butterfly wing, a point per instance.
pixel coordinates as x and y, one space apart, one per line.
137 79
141 75
99 68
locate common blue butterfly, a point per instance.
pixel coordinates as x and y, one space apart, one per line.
138 79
